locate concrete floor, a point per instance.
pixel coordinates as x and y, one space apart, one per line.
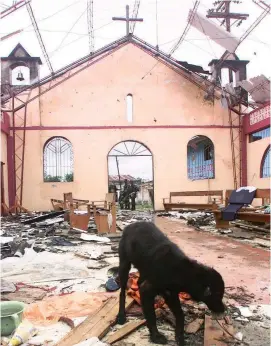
239 263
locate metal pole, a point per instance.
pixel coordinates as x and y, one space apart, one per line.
127 20
117 162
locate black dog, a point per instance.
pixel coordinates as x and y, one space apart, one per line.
164 270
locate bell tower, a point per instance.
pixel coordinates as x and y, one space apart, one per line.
19 69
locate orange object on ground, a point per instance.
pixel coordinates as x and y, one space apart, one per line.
77 304
133 291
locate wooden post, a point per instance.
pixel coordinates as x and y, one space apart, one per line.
114 218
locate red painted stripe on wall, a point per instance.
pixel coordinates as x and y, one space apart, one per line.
46 128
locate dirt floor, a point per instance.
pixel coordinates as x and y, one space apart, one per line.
239 263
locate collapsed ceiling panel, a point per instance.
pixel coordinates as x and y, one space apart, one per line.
258 87
216 33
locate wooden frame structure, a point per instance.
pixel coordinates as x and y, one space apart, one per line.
102 210
16 208
77 220
200 206
59 204
246 214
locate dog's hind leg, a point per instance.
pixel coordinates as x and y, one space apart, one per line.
124 269
173 302
147 296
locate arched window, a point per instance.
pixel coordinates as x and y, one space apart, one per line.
200 158
20 75
265 165
58 160
129 108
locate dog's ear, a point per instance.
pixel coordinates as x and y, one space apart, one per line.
207 292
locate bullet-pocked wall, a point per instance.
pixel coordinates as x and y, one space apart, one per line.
89 110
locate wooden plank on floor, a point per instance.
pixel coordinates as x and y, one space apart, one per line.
124 331
194 326
97 324
128 329
214 335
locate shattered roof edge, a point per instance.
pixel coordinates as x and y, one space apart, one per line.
117 44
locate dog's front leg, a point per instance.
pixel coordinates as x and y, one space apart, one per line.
173 302
123 276
147 296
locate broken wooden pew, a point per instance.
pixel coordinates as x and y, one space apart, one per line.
170 205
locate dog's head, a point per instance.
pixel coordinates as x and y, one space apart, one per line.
213 292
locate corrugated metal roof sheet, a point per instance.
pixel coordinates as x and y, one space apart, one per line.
115 178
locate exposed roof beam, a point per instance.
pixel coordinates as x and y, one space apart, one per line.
134 15
13 8
35 25
90 25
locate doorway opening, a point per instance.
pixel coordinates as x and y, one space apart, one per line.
130 175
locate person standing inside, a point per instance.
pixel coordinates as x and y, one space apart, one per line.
133 194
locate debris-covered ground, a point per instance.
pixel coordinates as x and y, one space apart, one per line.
44 260
204 221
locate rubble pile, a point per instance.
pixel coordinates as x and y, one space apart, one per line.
204 221
196 219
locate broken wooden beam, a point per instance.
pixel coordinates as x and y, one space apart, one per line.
43 217
128 329
194 326
215 335
97 324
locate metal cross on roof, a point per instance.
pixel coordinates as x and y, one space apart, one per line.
127 19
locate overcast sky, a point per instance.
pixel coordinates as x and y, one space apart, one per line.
58 18
64 29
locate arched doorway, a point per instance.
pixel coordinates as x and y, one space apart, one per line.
132 161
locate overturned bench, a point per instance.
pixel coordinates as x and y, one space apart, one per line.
170 205
245 214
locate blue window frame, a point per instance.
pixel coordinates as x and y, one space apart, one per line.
265 166
256 136
200 158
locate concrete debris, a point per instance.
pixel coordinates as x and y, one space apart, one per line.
7 287
239 336
204 221
90 237
245 311
5 240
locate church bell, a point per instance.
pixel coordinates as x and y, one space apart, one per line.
20 76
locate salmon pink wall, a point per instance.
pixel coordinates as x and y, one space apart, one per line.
96 97
255 152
